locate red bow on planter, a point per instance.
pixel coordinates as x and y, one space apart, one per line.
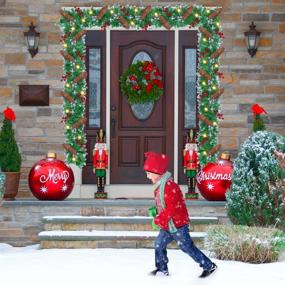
257 109
9 114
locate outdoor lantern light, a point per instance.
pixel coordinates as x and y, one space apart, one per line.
252 39
32 40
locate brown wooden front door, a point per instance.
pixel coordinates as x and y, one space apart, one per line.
135 132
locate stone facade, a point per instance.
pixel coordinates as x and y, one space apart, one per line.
247 80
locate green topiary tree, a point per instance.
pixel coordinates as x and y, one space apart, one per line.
258 124
10 159
256 194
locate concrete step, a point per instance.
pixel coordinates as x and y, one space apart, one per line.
135 223
105 239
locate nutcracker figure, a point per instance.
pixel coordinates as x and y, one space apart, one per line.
191 164
100 164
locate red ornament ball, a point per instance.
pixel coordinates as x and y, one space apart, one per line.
51 179
215 179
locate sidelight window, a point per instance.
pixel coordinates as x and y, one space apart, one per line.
190 100
94 87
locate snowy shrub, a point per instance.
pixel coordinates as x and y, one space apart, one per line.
243 243
256 197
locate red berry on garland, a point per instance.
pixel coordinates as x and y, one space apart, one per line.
220 34
103 28
63 78
145 28
220 116
220 74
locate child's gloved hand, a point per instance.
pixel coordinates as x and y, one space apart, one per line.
152 212
154 226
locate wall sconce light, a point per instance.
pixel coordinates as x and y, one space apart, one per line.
32 40
252 39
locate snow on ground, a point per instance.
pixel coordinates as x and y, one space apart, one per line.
33 266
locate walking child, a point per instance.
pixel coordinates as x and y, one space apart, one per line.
172 217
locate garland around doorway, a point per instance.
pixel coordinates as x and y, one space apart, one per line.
75 21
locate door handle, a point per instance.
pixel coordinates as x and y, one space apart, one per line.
113 128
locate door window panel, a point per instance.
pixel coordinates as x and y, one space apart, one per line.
142 110
94 87
141 56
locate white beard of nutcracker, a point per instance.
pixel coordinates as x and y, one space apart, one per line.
191 162
100 161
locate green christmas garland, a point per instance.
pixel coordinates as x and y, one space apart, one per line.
142 82
74 23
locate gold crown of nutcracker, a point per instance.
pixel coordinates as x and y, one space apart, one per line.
191 164
100 164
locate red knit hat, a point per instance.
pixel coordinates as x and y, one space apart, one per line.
156 162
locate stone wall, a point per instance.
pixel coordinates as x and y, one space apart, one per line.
247 80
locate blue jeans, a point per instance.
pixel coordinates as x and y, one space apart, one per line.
185 242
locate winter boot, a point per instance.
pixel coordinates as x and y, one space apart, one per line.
157 272
206 273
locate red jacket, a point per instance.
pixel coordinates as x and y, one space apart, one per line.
175 207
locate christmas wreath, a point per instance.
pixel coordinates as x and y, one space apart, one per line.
142 82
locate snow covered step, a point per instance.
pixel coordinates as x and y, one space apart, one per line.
130 223
98 235
117 219
106 239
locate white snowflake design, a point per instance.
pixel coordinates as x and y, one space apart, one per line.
210 186
44 189
64 188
